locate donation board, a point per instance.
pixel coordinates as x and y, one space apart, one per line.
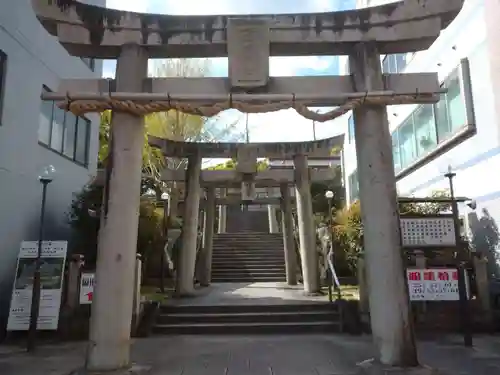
53 260
433 284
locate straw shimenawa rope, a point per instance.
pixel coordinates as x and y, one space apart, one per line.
80 107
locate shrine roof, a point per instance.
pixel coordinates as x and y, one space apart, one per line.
92 31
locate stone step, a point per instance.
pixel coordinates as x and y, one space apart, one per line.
246 266
249 238
248 279
254 262
247 235
297 307
228 236
248 262
255 270
259 245
255 277
239 252
247 247
240 255
248 317
248 328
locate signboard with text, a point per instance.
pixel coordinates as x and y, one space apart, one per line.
87 282
427 232
51 277
433 284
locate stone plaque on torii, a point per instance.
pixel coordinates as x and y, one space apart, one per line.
363 35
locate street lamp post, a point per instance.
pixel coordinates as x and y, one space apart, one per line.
329 196
164 198
45 178
462 286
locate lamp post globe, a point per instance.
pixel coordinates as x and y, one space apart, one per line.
329 194
47 174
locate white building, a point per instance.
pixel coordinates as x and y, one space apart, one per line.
462 130
35 134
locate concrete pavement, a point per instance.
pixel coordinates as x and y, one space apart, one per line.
258 355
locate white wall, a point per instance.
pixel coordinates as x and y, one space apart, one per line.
34 58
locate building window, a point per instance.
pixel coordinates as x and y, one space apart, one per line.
395 152
394 63
425 129
350 128
432 124
452 111
64 132
3 75
353 186
407 144
90 62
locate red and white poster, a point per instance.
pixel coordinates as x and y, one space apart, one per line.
86 288
433 284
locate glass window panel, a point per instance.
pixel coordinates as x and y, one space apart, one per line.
399 62
407 143
69 135
56 141
81 152
354 185
385 64
395 152
456 105
45 122
442 120
350 123
425 129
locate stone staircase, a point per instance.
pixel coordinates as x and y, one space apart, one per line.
246 221
248 257
249 319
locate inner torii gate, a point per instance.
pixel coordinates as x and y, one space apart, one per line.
246 172
248 41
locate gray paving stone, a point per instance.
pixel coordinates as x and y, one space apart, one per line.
319 354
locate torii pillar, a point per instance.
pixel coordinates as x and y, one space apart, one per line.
187 256
222 213
307 235
391 323
110 322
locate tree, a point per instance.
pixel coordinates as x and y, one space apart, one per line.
348 227
84 219
320 202
230 165
172 125
428 208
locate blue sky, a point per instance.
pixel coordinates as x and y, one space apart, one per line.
271 127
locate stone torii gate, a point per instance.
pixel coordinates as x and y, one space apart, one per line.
246 172
363 35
